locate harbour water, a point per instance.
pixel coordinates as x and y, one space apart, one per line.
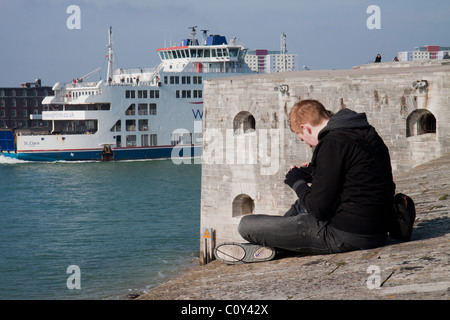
128 226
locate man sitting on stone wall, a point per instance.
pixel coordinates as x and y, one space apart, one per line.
343 203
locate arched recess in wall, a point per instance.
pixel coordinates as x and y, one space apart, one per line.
243 204
244 122
420 121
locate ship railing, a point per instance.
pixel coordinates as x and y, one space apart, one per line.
134 71
80 84
146 80
70 94
221 69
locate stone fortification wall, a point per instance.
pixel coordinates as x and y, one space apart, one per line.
248 146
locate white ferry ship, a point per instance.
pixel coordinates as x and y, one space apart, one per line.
133 114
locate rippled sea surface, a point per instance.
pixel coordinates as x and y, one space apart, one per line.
128 226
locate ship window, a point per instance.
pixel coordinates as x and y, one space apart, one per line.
207 53
118 141
152 108
153 139
242 54
197 80
128 93
131 125
143 125
193 53
197 93
117 127
154 94
142 94
213 53
185 80
131 111
142 109
186 93
131 141
177 93
200 53
175 139
161 55
144 140
242 205
75 127
234 52
182 54
219 52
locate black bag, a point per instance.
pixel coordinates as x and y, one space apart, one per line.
403 216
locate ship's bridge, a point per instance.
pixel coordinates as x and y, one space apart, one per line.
214 55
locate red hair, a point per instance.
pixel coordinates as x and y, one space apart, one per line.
307 111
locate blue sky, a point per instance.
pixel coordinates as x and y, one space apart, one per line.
36 43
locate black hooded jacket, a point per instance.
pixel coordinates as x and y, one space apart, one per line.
348 188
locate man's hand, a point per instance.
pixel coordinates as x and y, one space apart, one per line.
296 177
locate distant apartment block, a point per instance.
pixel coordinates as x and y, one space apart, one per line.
425 53
18 103
267 61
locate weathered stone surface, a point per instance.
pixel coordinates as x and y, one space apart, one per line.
418 269
253 163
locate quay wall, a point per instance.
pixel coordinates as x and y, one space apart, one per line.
248 146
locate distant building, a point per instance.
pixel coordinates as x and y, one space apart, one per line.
266 61
18 103
425 53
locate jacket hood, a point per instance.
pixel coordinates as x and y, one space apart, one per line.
345 119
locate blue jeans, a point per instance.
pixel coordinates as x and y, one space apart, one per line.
302 232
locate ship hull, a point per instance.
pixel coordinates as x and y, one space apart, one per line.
161 152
